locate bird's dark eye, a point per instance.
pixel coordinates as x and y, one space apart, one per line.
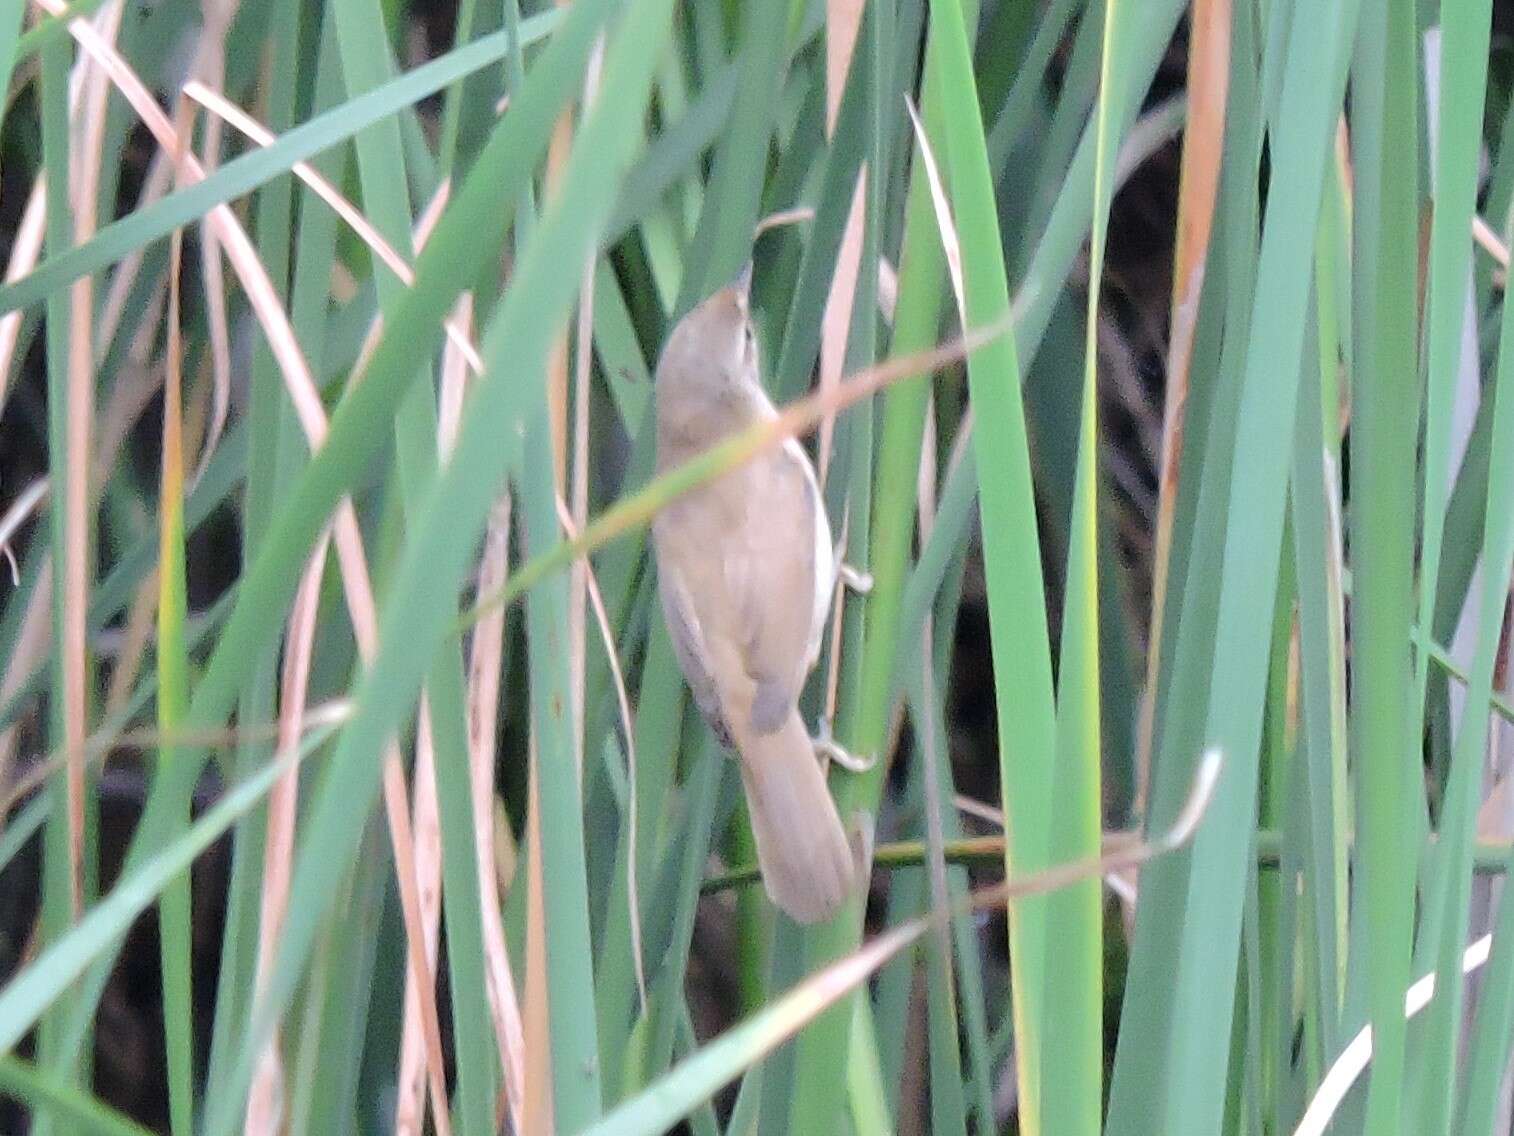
751 339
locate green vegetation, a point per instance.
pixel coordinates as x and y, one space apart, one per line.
350 782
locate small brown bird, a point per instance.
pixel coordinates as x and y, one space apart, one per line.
746 570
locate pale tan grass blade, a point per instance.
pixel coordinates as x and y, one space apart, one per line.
607 637
1198 190
410 1107
265 1101
210 68
484 667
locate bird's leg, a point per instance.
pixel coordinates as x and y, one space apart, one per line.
854 578
825 742
827 746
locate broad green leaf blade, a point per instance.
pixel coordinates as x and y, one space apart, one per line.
1072 1060
1384 399
174 929
1012 565
1194 1071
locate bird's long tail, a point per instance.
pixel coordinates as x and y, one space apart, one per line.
808 865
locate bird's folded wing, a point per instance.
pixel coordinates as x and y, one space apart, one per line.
779 586
688 645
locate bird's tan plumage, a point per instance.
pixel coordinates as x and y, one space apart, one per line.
743 568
